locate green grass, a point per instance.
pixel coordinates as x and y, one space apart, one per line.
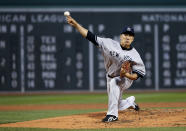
161 97
53 99
88 98
116 129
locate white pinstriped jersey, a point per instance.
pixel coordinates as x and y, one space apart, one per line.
114 56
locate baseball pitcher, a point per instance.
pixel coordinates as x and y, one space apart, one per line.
123 65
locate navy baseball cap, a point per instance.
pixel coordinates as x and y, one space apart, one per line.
128 30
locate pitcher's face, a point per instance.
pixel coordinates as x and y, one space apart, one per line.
126 40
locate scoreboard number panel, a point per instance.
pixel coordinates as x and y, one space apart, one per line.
40 51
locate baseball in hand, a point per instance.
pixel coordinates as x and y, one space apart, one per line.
66 13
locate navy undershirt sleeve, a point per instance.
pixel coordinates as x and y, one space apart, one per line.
139 75
91 37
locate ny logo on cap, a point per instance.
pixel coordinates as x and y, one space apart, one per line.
128 29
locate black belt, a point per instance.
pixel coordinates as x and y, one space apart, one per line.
111 76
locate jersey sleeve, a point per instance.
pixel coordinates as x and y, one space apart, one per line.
139 68
100 41
97 41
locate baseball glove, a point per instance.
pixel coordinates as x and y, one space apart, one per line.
126 67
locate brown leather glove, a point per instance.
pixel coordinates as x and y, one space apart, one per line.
126 67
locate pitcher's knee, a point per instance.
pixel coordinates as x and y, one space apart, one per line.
131 98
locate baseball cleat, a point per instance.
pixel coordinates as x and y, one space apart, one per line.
136 108
110 118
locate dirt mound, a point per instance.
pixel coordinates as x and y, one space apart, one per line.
128 118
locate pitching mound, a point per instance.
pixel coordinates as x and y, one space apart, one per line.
128 118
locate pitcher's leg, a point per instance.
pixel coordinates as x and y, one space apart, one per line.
113 96
126 103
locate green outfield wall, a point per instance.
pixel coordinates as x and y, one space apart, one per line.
39 51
